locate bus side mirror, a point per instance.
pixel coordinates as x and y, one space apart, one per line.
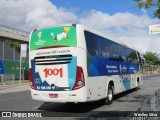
143 61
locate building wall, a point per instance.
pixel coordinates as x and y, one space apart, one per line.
6 52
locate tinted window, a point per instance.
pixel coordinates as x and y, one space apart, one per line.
134 57
106 48
131 56
98 46
123 53
93 44
116 52
128 55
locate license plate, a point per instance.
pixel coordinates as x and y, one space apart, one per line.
53 95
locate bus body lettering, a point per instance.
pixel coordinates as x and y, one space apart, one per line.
55 72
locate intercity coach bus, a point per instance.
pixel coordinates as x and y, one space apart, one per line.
73 63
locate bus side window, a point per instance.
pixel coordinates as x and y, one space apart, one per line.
106 49
115 50
128 55
93 52
122 53
131 56
134 57
92 44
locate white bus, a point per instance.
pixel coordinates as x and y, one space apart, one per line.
72 63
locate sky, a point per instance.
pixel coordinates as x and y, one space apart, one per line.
121 20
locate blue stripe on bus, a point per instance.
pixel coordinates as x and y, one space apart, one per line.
100 67
72 69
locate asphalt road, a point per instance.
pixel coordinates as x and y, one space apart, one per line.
127 101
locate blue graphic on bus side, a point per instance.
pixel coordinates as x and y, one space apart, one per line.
100 67
126 81
72 69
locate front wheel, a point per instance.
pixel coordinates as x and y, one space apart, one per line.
108 100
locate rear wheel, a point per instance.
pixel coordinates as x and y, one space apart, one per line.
138 84
108 100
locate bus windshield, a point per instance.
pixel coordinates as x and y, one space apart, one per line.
54 36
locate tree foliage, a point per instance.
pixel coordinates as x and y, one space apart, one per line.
149 4
151 58
13 44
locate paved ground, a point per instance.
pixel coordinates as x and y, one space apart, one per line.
18 99
13 88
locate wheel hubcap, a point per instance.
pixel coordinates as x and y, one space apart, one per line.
110 95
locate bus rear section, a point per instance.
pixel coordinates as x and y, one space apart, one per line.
56 75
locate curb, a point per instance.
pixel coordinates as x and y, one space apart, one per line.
11 86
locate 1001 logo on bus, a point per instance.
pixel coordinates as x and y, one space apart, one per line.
54 72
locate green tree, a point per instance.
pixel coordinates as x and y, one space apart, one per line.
151 58
149 4
13 44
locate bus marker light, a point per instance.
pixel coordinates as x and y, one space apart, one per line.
74 25
35 30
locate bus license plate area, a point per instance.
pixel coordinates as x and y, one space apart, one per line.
53 95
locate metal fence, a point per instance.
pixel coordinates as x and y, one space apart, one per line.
150 69
150 108
13 30
12 75
13 79
152 103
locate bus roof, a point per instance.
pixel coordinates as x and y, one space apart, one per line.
88 29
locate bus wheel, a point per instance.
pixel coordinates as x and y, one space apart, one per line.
108 100
138 84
